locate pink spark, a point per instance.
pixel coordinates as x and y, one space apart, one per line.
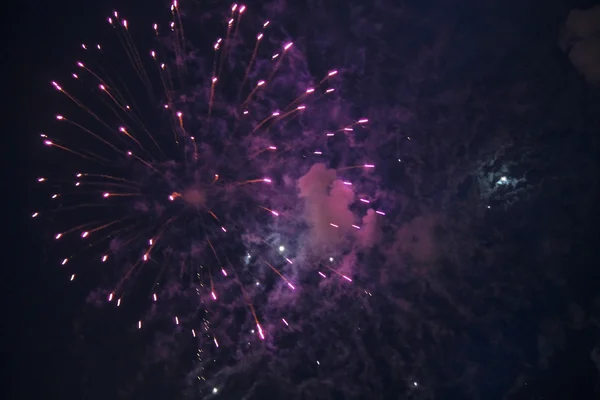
332 73
287 46
348 183
260 331
322 274
346 278
216 343
288 260
334 225
72 277
291 286
369 165
214 296
145 257
176 320
267 180
380 212
356 226
275 213
105 195
140 324
266 23
64 261
318 152
223 228
272 148
154 297
285 322
104 257
84 234
301 107
365 200
363 121
348 129
224 272
194 333
110 297
58 236
118 302
329 90
310 90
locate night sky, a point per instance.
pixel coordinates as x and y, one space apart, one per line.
486 266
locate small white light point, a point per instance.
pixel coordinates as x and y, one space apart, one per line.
285 322
215 390
415 384
139 324
281 248
318 363
330 258
72 277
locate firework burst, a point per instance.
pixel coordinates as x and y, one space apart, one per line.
212 188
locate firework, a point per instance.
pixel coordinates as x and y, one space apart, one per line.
200 184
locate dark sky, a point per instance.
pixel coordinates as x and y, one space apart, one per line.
41 307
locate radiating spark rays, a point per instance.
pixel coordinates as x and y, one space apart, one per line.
116 189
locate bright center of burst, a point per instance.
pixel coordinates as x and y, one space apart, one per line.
194 197
281 248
